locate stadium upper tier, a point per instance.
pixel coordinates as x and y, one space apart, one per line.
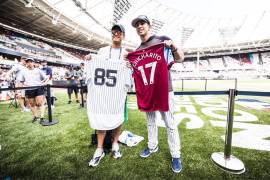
196 26
16 44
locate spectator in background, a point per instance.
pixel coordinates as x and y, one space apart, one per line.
35 77
72 77
82 76
15 78
37 63
48 72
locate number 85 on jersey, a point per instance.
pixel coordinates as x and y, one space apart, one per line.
105 77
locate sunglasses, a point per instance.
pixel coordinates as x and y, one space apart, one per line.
117 33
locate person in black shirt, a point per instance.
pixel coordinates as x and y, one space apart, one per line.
49 73
72 78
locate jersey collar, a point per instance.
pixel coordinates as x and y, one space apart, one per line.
149 39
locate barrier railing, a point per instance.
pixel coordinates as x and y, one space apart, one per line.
225 160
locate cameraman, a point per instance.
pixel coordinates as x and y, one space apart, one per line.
15 77
82 75
72 78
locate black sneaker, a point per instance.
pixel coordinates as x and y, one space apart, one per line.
77 101
41 120
34 119
69 102
80 107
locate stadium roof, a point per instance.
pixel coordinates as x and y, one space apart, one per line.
190 23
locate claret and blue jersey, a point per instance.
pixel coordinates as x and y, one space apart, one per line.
150 72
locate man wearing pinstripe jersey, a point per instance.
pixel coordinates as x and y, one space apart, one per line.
142 25
111 54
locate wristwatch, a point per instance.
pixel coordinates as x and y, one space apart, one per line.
173 51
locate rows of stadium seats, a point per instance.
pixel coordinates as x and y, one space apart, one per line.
222 67
227 67
221 74
38 49
225 63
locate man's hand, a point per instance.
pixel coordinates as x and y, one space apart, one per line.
170 44
128 64
177 53
44 82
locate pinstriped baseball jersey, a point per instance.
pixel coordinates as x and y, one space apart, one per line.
150 72
108 82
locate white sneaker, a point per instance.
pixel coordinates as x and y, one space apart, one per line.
98 155
117 154
116 151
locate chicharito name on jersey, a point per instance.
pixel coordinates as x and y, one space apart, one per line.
147 55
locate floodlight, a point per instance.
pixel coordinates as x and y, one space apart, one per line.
55 19
29 4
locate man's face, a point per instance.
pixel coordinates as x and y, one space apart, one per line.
142 28
23 61
82 66
36 64
117 35
29 64
44 64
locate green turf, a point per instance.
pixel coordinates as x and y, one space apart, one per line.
62 151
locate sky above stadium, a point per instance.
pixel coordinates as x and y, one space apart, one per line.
218 8
190 23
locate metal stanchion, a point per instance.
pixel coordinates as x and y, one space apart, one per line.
226 161
205 85
81 91
50 122
235 83
182 84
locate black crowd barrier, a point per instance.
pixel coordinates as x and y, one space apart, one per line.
224 160
47 88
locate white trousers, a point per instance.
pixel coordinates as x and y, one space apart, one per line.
172 129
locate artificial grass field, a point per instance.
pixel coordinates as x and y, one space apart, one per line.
62 151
